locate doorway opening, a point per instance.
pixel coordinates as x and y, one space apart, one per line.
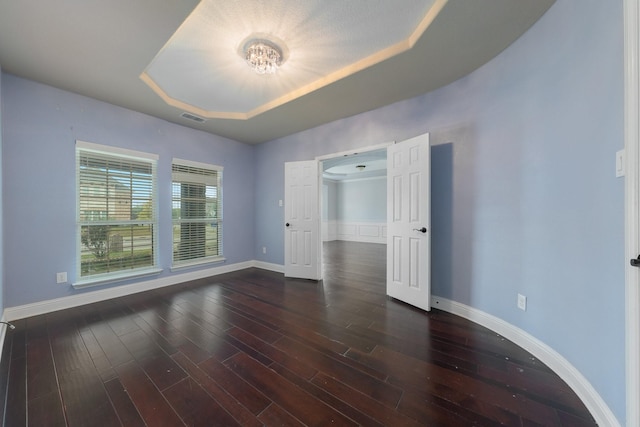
353 205
406 210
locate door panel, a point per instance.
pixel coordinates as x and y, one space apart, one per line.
302 224
409 222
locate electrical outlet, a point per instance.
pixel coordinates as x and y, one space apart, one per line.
522 302
61 277
264 249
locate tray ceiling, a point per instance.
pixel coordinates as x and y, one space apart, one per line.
343 58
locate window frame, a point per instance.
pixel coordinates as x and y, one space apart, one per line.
179 264
119 154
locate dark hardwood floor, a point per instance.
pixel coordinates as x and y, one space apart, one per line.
252 348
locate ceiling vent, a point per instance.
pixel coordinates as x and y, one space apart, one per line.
195 118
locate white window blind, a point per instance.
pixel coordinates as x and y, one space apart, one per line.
117 213
196 212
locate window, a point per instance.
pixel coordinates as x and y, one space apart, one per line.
117 215
196 212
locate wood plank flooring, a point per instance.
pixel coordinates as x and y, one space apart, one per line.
252 348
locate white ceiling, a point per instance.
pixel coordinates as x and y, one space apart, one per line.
202 68
343 168
169 57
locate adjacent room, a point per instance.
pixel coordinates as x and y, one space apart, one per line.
354 197
319 212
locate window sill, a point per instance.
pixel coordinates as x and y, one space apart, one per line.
205 261
110 278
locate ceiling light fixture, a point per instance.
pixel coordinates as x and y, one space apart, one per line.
263 56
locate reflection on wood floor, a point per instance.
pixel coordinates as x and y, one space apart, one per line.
252 348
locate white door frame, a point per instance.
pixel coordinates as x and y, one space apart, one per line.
319 159
353 151
632 206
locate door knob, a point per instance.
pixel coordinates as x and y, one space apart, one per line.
286 225
422 230
635 261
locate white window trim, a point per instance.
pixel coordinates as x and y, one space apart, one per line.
100 279
124 152
194 164
205 260
199 262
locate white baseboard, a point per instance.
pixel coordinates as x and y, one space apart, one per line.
561 366
43 307
49 306
278 268
578 383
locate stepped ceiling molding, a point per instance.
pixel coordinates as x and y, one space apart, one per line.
341 58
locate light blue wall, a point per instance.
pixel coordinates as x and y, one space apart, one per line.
40 127
362 200
524 195
523 189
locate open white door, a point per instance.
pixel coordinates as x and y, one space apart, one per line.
302 243
409 222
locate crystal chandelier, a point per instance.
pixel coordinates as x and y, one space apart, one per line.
263 56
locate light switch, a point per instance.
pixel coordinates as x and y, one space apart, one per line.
619 163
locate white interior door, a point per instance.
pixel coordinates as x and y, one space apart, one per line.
302 245
409 222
